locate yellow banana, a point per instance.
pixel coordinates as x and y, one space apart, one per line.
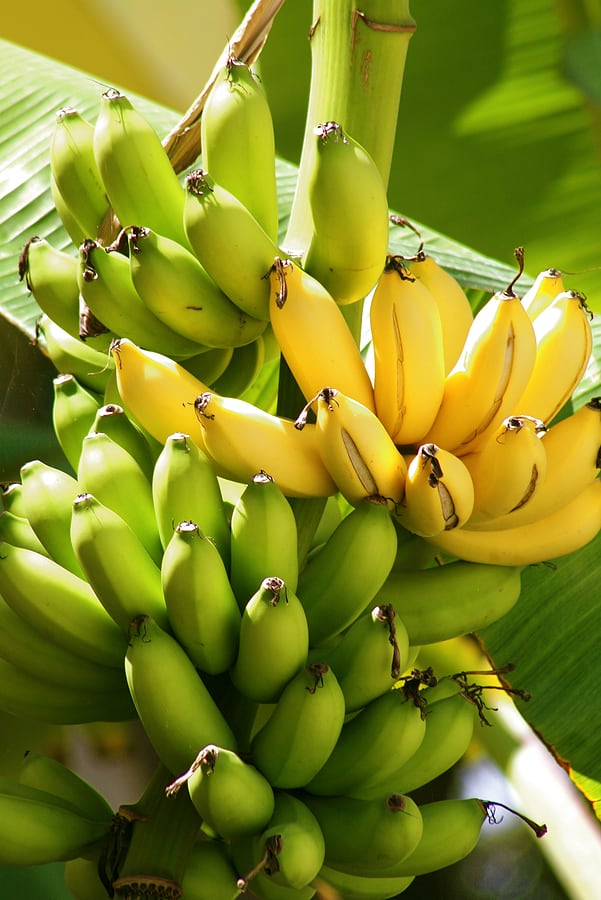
73 412
564 343
547 285
409 365
349 237
439 493
314 337
507 470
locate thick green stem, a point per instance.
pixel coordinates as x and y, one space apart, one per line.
358 61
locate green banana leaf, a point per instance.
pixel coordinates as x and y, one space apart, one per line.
557 603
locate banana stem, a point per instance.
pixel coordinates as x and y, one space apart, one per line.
358 62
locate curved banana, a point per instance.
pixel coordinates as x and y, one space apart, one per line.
274 641
11 498
136 172
361 887
373 744
242 370
209 365
210 873
566 529
158 669
48 495
301 733
17 531
294 843
444 602
453 306
229 242
71 356
201 606
343 576
185 488
508 469
439 492
242 439
313 334
409 363
564 343
59 605
82 878
237 114
47 774
68 221
123 575
547 285
112 420
264 540
231 796
349 238
73 412
51 276
74 171
178 291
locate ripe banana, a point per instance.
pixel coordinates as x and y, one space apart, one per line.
264 538
229 242
201 606
362 887
158 670
444 602
409 364
51 276
124 576
302 731
231 796
439 492
357 450
349 237
47 774
177 290
73 412
547 285
70 355
237 114
136 172
274 641
59 605
313 334
343 576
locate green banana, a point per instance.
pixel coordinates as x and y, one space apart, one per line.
51 276
123 575
179 292
263 538
74 171
367 837
12 498
229 242
37 827
48 494
177 712
274 641
377 741
303 729
185 488
68 221
231 796
17 531
210 873
111 419
201 606
363 887
461 597
349 242
74 409
370 656
237 114
342 578
244 367
82 880
210 364
136 172
109 472
70 355
293 842
47 774
59 605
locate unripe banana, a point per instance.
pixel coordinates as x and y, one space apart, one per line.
185 488
237 114
210 873
547 285
374 743
341 579
138 176
47 774
293 843
348 245
70 355
158 670
243 369
302 731
178 291
81 878
59 605
439 492
73 412
17 531
48 494
209 365
231 796
229 242
111 419
274 641
68 221
123 575
304 315
201 606
363 887
367 837
51 276
12 498
75 172
409 364
444 602
263 538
